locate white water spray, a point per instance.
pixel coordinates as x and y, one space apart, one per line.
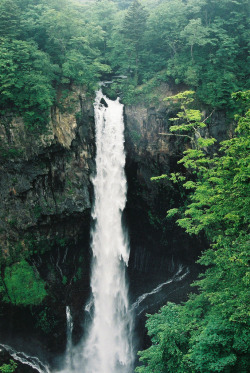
108 347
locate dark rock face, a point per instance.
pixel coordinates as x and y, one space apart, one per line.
51 177
103 102
45 208
159 248
152 152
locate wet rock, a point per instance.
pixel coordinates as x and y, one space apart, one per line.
45 201
103 102
4 356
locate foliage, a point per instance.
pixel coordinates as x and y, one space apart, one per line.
7 152
123 4
50 45
201 43
23 285
25 77
210 332
134 27
45 320
45 44
169 337
8 368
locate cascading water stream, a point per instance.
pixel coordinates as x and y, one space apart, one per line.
108 346
69 357
179 276
25 359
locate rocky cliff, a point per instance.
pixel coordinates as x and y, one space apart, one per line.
45 215
45 176
151 151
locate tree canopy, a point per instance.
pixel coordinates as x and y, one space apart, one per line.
200 43
45 44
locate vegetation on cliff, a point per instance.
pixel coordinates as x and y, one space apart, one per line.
22 285
8 368
210 332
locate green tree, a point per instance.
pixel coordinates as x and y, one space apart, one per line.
169 335
162 36
45 44
103 13
9 18
134 26
216 320
123 4
26 76
195 34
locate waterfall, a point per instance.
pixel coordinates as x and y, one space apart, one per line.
69 357
108 346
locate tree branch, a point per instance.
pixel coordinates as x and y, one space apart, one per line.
208 116
173 134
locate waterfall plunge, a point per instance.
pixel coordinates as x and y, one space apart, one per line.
108 347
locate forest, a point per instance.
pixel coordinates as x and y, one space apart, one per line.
44 44
201 47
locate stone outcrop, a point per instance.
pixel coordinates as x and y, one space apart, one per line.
46 175
45 203
148 131
153 150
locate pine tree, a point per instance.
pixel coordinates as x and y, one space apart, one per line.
134 26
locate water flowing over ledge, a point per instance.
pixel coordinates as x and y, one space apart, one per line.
178 276
108 346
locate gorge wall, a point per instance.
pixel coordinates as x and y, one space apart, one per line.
45 202
45 213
